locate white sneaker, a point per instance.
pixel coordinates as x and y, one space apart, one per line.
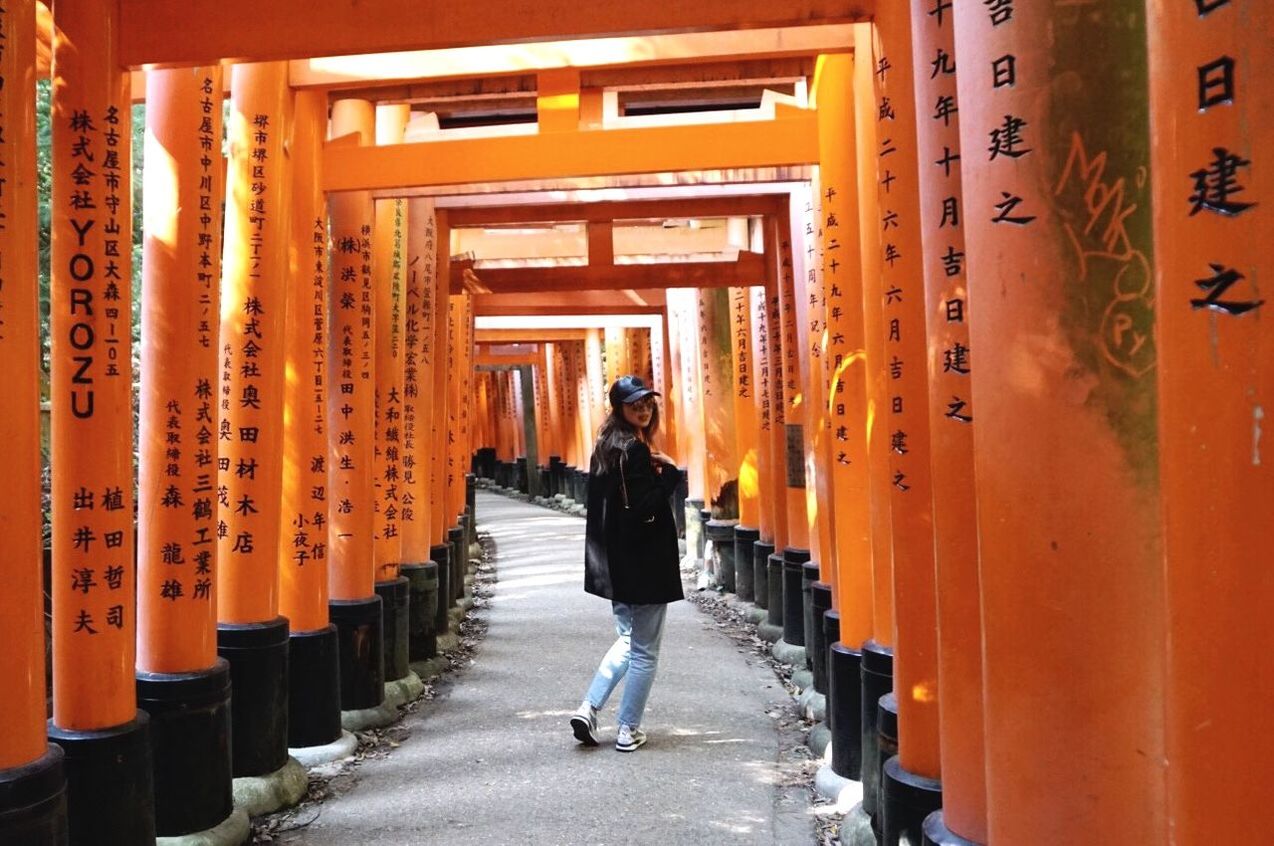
584 724
630 739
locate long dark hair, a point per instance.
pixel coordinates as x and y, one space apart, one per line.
616 435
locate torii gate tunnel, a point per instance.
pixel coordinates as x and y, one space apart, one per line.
956 310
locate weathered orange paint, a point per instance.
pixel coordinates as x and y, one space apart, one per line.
873 326
746 426
1216 392
22 624
178 400
1070 546
253 301
303 539
847 346
91 385
418 378
794 400
350 390
951 414
389 258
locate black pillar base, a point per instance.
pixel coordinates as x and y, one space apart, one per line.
774 582
761 553
745 539
314 687
820 604
33 802
936 833
258 656
459 558
845 710
878 679
793 601
679 501
190 747
721 533
422 608
110 792
395 596
831 628
440 554
809 620
358 632
908 799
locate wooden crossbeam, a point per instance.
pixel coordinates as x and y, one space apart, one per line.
750 205
749 269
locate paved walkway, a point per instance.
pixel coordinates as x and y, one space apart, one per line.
492 759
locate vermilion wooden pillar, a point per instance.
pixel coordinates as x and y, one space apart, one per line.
747 450
1055 159
951 415
898 218
1210 116
438 462
95 716
717 392
848 407
26 757
314 696
389 259
419 359
177 663
252 635
354 606
778 407
667 374
760 378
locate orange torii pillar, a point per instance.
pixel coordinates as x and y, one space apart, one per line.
776 489
847 405
389 247
675 438
553 412
1058 232
910 788
439 550
818 575
95 716
796 554
877 660
314 693
181 682
1211 105
955 516
615 354
464 490
418 410
354 607
760 381
459 319
33 807
447 442
543 437
747 446
683 318
251 634
597 398
661 378
721 487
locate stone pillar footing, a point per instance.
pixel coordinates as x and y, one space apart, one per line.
936 833
234 830
33 801
721 564
265 794
907 800
345 745
440 554
745 539
190 747
358 629
422 610
109 783
761 553
774 582
258 656
314 691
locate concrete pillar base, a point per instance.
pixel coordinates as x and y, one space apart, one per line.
769 632
855 828
33 801
755 615
936 833
843 793
430 668
232 831
267 793
802 680
406 689
368 718
813 705
820 737
395 599
787 653
312 756
907 800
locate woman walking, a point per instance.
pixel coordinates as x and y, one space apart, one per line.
630 556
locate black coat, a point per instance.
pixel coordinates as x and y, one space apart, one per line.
631 551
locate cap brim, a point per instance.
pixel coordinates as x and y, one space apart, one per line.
642 394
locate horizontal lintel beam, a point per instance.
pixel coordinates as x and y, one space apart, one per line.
749 269
747 205
788 140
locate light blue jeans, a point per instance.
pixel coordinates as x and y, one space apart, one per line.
635 653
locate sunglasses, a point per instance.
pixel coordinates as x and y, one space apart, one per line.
645 404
